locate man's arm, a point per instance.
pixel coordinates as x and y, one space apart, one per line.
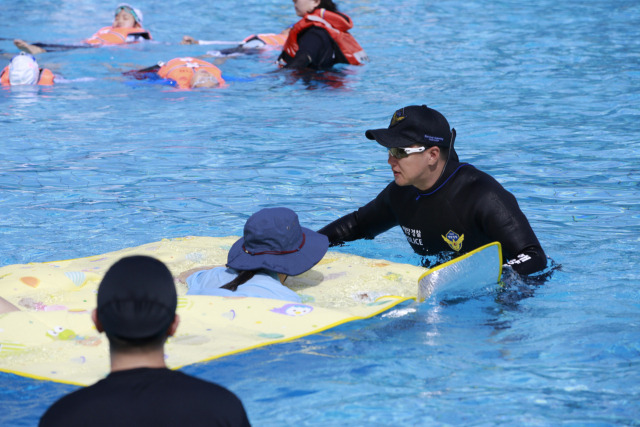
366 223
342 230
530 260
502 220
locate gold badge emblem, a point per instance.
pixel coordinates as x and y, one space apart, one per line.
398 116
454 240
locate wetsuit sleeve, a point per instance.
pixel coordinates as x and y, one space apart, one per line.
366 223
501 219
315 50
528 261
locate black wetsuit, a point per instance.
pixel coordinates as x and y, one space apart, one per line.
316 50
466 207
148 397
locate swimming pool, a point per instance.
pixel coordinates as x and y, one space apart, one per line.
544 96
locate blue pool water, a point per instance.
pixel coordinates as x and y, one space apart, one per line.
544 96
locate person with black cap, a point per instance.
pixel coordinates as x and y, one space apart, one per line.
137 310
445 208
273 247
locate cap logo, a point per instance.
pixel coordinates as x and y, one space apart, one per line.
398 116
433 138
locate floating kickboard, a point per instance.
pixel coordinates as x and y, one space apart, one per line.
463 276
52 336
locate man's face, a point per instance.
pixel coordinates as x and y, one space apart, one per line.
417 169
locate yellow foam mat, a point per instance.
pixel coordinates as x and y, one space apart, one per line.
52 337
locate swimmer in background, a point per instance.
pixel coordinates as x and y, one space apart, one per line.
126 28
184 73
321 38
255 43
273 247
24 70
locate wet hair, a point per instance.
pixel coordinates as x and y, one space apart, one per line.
444 153
328 4
243 277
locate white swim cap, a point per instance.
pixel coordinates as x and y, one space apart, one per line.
137 13
23 70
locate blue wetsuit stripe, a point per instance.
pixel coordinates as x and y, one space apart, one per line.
441 185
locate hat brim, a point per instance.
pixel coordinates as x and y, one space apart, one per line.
315 247
388 138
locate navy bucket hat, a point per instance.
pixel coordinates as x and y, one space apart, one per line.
274 240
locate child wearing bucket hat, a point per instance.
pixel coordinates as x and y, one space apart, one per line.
273 247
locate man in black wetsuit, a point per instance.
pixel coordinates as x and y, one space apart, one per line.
445 208
137 310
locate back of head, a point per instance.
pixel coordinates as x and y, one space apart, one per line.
23 70
328 5
203 79
137 299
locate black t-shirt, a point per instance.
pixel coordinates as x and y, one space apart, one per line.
148 397
464 210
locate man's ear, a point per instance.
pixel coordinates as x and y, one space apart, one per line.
434 154
94 317
174 326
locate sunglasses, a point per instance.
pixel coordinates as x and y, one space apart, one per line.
401 153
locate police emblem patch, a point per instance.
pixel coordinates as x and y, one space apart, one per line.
454 240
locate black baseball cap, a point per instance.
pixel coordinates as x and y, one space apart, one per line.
415 124
137 298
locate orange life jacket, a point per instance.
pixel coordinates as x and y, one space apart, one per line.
110 35
337 25
181 71
270 39
46 77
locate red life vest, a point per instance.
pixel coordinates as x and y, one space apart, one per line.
181 71
110 36
337 25
46 77
269 39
